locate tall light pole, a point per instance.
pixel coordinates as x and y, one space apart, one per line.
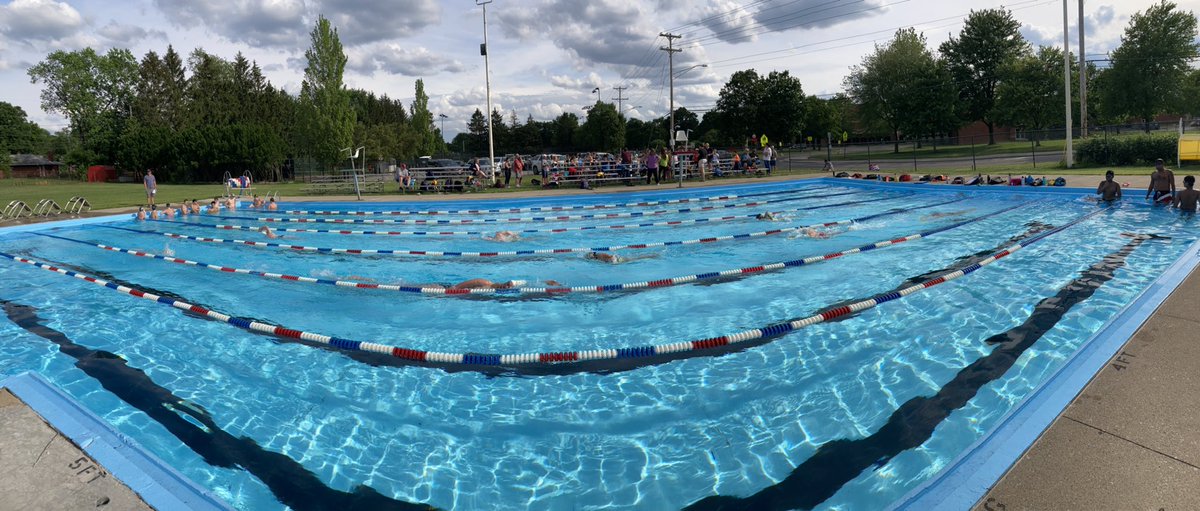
443 118
487 76
1083 118
1070 156
671 51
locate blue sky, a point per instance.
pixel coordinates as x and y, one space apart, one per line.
546 55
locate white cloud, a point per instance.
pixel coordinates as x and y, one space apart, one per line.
396 59
39 20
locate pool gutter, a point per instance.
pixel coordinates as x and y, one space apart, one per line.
967 478
157 483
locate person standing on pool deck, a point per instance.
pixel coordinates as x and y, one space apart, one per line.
1186 200
1109 190
1162 182
151 185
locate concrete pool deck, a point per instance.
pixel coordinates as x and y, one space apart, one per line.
1129 440
42 469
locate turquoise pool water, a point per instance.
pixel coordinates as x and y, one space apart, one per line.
639 432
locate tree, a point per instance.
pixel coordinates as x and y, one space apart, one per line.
902 87
17 133
603 129
1150 66
564 127
477 128
323 96
738 104
1032 95
422 122
93 91
989 40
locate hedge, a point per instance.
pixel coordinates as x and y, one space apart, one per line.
1127 150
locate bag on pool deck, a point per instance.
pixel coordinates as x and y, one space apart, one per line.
856 176
904 178
842 174
1060 181
958 180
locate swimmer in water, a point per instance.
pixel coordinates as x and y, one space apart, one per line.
611 258
141 214
504 236
767 215
266 231
945 214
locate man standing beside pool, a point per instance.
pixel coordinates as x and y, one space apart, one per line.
1162 182
1108 190
151 186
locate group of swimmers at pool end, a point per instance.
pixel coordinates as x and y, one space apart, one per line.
193 207
1161 190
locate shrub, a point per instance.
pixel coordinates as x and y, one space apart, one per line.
1127 150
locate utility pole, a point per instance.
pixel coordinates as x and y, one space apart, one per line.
619 99
671 51
1083 120
1069 157
487 75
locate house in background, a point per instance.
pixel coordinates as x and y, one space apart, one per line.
33 165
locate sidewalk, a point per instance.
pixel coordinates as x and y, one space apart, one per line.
1129 440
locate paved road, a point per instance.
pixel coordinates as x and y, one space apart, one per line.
816 162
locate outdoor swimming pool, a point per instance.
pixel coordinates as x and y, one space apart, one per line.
904 325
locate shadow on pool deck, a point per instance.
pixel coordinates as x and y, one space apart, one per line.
1129 440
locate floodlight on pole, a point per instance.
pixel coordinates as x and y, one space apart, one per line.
443 118
487 74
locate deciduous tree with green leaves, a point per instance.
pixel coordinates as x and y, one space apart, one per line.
903 88
325 103
603 130
1031 96
989 40
1150 67
95 92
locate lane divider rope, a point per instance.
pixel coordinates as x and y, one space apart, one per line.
535 209
554 230
567 357
510 253
557 290
561 218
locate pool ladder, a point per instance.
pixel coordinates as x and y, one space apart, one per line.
77 205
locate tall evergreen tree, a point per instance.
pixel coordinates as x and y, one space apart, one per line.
329 119
422 122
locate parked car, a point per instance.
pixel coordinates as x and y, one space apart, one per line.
542 163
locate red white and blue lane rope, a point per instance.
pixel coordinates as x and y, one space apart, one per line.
555 230
512 253
535 209
695 347
556 290
560 218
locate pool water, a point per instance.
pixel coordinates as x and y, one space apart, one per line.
303 425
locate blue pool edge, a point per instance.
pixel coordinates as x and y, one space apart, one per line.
156 482
967 478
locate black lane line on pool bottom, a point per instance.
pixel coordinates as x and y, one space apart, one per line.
291 483
1035 228
841 461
